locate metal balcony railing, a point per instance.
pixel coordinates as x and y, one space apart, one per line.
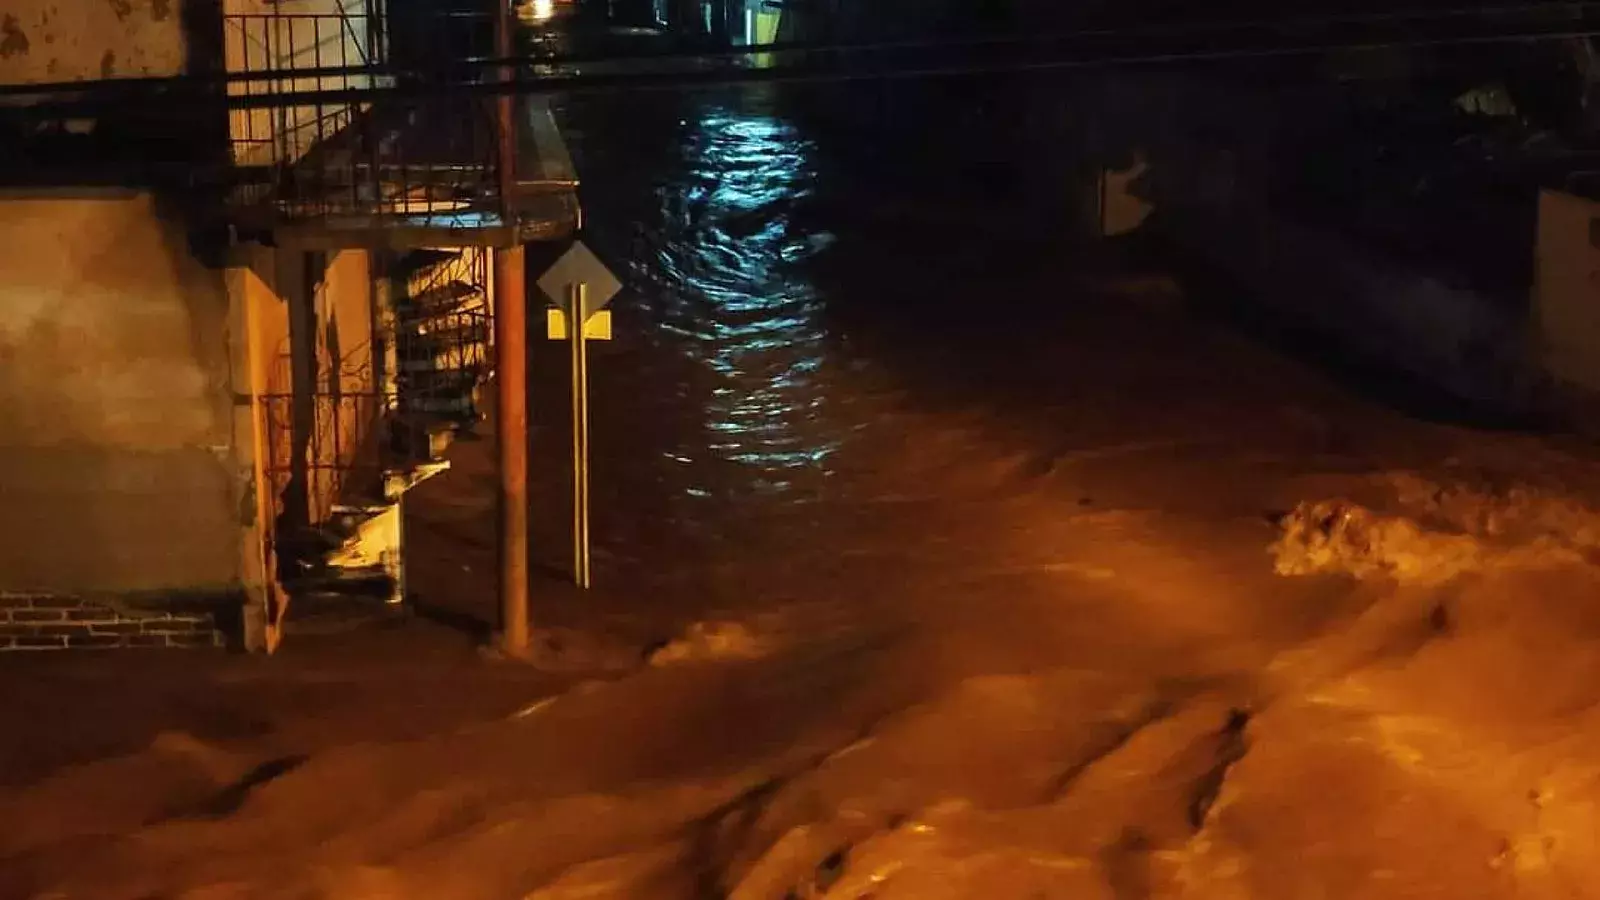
382 409
291 45
428 163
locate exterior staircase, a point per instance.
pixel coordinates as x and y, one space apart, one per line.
437 355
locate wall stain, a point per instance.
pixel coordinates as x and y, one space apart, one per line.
123 9
160 10
108 64
13 40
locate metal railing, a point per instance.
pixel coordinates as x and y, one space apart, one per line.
426 161
287 45
383 409
442 337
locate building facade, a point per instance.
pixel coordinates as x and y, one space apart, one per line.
234 337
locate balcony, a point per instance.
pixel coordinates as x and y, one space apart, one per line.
391 173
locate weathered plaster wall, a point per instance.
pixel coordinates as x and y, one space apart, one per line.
258 326
347 407
71 40
1567 292
312 323
116 469
1213 149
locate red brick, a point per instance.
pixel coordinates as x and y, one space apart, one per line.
68 630
96 641
114 627
93 614
39 643
145 640
15 601
58 603
205 639
173 626
38 615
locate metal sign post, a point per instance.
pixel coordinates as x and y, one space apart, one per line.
577 300
580 286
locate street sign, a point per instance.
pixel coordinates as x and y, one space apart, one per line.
578 266
598 328
580 285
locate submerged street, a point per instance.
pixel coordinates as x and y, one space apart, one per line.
938 556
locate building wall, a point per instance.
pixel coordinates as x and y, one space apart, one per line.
1567 291
1453 339
258 324
312 325
304 356
115 422
1213 150
59 40
60 622
344 379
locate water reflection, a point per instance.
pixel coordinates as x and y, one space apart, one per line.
729 262
536 12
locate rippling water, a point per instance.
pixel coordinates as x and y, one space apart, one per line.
729 330
734 272
788 313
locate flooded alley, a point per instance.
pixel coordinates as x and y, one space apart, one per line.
943 549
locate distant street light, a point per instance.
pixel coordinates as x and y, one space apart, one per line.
536 12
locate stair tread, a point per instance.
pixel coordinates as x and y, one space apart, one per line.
449 292
424 419
475 332
417 260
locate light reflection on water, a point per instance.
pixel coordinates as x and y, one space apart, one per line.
730 287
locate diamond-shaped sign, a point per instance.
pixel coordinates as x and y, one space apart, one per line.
579 265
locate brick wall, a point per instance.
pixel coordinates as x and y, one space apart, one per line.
32 622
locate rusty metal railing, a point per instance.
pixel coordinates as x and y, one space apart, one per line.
419 161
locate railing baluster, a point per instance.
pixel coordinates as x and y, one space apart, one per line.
321 173
410 159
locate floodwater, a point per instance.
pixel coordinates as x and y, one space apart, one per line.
984 522
721 282
938 556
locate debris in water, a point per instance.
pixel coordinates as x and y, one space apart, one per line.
712 640
1438 532
1337 536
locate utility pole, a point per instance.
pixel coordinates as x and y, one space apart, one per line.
511 355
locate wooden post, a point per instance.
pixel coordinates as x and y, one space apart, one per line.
511 354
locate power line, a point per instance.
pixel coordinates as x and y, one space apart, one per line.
1417 16
678 80
798 74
